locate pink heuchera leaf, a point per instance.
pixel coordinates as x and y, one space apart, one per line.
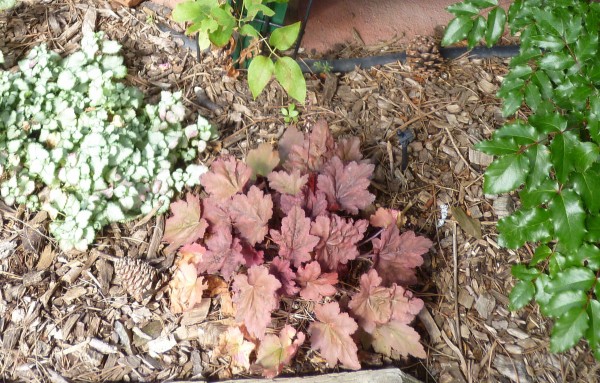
384 217
315 149
294 241
281 270
227 176
331 336
348 149
314 284
276 352
287 183
373 303
185 225
224 254
397 338
262 160
338 239
396 256
233 347
252 257
251 213
255 298
290 137
186 288
314 204
217 213
346 186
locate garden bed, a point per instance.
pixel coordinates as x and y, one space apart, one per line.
64 315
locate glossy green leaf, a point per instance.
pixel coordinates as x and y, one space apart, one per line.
524 273
260 71
592 224
289 75
478 32
549 42
520 295
542 252
540 165
495 26
524 226
586 47
543 83
564 301
573 278
537 195
463 9
593 119
533 97
541 296
498 146
587 186
512 103
520 131
561 150
506 174
484 3
510 85
585 154
568 218
587 255
568 329
593 332
573 28
548 123
283 38
556 61
457 30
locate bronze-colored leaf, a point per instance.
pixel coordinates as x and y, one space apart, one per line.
470 225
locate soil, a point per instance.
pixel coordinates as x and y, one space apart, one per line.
64 316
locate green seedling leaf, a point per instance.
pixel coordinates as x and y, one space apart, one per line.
469 224
477 33
520 295
221 36
193 10
283 38
524 225
457 30
260 71
568 217
289 75
495 26
506 174
573 278
568 329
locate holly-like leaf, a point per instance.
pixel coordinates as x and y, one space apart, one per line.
255 298
280 269
338 239
295 241
227 176
573 278
457 30
185 225
506 173
346 186
477 33
276 352
262 160
251 213
287 182
539 160
235 348
385 217
495 26
396 255
586 185
568 218
565 301
331 336
397 337
568 329
314 284
520 295
524 225
312 152
593 333
224 254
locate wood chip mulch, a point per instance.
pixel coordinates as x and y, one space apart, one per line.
65 317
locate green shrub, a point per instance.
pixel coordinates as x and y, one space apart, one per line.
78 143
550 157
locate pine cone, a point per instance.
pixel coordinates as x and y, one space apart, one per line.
138 278
423 56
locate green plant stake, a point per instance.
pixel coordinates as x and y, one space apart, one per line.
290 114
551 157
216 23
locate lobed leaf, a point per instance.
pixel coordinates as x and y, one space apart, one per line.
568 329
294 240
506 174
262 160
314 284
338 239
185 225
251 213
396 336
275 352
227 176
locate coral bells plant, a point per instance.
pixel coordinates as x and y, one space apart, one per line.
286 224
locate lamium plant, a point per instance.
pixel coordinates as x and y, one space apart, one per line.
548 154
286 225
78 143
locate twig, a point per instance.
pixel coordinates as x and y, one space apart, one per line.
456 309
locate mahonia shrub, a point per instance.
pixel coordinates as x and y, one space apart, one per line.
286 224
551 156
78 143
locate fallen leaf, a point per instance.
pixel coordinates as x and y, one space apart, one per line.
275 352
470 225
185 225
399 337
233 347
